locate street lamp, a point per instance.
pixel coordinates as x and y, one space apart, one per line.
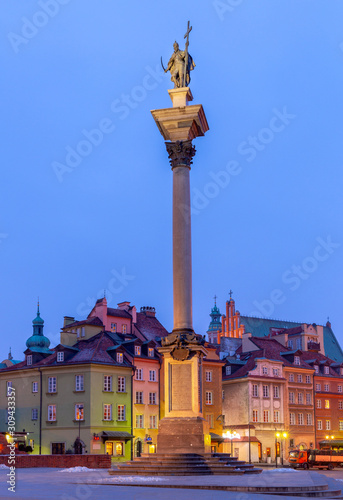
231 436
80 417
330 438
277 435
284 435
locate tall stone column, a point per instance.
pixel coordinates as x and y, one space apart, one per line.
180 155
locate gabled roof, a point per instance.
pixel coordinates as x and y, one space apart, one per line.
119 313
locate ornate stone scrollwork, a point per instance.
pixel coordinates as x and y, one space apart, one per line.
180 153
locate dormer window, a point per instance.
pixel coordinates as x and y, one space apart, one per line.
151 352
297 360
316 368
29 359
120 357
228 370
137 350
60 356
326 370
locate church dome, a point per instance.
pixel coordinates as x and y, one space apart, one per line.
37 339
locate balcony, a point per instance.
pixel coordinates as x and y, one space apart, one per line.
313 346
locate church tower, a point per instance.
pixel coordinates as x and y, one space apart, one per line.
215 325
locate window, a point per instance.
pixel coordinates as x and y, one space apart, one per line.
151 352
341 371
123 329
152 376
341 425
339 388
83 331
276 391
209 398
29 359
79 411
107 412
296 360
316 369
228 370
265 391
140 421
121 412
78 383
52 384
319 425
308 398
255 391
318 387
264 370
60 356
78 333
291 377
276 416
153 421
139 398
120 357
121 384
300 398
208 376
299 378
114 327
139 374
119 448
319 403
291 397
108 383
52 413
300 419
292 418
209 418
275 372
309 419
298 343
326 370
326 387
34 414
327 425
152 398
34 386
255 415
290 344
138 350
326 404
340 405
223 395
308 379
8 387
265 415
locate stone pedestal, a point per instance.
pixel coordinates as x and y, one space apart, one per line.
183 435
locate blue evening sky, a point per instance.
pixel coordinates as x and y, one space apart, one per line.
266 180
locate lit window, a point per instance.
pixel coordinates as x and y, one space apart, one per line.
121 384
291 377
52 413
299 378
308 379
326 387
291 397
264 370
300 419
276 391
79 411
107 412
78 383
107 383
60 356
327 425
208 376
296 360
318 387
276 416
209 398
319 403
137 350
123 329
228 370
29 359
151 352
139 374
152 398
34 386
309 419
308 398
119 448
300 398
255 415
113 327
327 404
153 421
319 425
339 388
140 421
326 370
152 376
34 414
121 412
341 425
255 391
265 415
292 418
52 384
265 391
139 397
120 357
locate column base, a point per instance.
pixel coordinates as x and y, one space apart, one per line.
183 435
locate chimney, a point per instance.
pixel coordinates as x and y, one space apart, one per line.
148 311
67 320
124 306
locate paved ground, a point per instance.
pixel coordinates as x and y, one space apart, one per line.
39 484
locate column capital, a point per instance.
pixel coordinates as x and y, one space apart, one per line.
180 153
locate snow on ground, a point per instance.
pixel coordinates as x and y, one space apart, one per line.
279 470
78 469
136 479
3 466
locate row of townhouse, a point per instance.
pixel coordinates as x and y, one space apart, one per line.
100 390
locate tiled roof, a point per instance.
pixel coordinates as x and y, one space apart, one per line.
119 313
95 321
150 327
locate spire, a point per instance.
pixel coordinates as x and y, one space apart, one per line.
10 355
37 339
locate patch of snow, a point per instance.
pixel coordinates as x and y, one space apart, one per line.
78 469
136 479
282 469
3 466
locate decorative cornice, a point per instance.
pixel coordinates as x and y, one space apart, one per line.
180 153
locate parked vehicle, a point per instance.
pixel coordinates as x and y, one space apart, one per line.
319 459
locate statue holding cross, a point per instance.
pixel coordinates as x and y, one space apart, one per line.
181 63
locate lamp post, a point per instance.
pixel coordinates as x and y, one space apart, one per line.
277 435
284 436
231 436
80 417
330 438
